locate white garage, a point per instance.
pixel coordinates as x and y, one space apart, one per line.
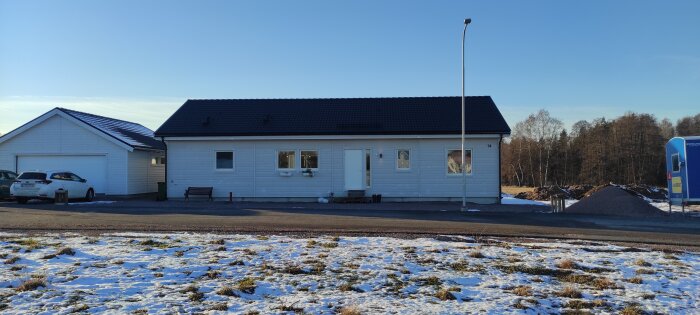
116 156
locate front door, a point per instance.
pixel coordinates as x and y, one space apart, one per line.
354 170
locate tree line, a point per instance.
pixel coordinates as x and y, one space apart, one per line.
627 150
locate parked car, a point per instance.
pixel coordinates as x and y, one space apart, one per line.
43 185
6 180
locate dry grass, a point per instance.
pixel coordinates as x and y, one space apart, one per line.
29 243
219 307
567 264
514 190
32 284
432 280
569 292
330 245
349 310
152 243
635 280
290 308
631 310
196 296
523 290
580 304
190 288
11 260
642 263
444 295
645 271
476 254
246 285
226 291
212 274
346 287
293 270
533 270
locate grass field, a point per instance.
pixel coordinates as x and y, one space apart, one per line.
131 273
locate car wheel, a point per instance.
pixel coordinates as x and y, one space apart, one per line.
90 195
22 200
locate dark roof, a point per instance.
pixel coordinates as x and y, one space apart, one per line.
334 116
132 134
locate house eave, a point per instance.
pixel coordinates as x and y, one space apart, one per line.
332 137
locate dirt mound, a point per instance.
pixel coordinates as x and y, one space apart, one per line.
578 191
654 193
542 193
613 200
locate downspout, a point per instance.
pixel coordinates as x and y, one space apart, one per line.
16 164
167 161
500 193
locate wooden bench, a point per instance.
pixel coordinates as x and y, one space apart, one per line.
199 191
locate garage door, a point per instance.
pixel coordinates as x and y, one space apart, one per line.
91 167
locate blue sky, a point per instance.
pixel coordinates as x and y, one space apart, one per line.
140 60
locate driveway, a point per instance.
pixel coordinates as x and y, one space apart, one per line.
383 218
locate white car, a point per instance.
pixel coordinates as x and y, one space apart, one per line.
43 185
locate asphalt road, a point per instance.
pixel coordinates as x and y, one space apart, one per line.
380 219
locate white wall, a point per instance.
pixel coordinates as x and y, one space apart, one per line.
144 177
58 135
191 163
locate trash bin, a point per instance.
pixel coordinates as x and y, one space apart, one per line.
60 197
162 194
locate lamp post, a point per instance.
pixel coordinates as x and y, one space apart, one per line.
462 162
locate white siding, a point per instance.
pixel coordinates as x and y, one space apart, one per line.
191 163
57 135
144 177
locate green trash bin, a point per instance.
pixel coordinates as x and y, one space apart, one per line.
162 192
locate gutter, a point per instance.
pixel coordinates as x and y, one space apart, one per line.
500 193
167 161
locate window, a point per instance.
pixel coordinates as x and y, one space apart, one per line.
368 168
60 176
403 159
32 175
74 177
676 162
286 159
454 158
309 159
11 175
158 161
224 160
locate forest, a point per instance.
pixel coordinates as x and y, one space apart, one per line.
626 150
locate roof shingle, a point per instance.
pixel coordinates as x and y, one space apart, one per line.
334 116
127 132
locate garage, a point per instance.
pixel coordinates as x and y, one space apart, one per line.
117 157
90 167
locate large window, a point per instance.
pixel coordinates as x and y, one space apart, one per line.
286 159
309 159
403 159
454 164
224 160
676 162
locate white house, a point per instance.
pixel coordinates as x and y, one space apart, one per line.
406 149
118 157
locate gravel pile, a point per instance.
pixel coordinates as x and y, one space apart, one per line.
612 200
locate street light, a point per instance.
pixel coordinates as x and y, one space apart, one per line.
464 168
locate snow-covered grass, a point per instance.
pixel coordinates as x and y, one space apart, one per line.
190 273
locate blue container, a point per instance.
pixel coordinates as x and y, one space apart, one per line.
683 170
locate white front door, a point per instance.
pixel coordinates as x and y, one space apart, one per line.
354 170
